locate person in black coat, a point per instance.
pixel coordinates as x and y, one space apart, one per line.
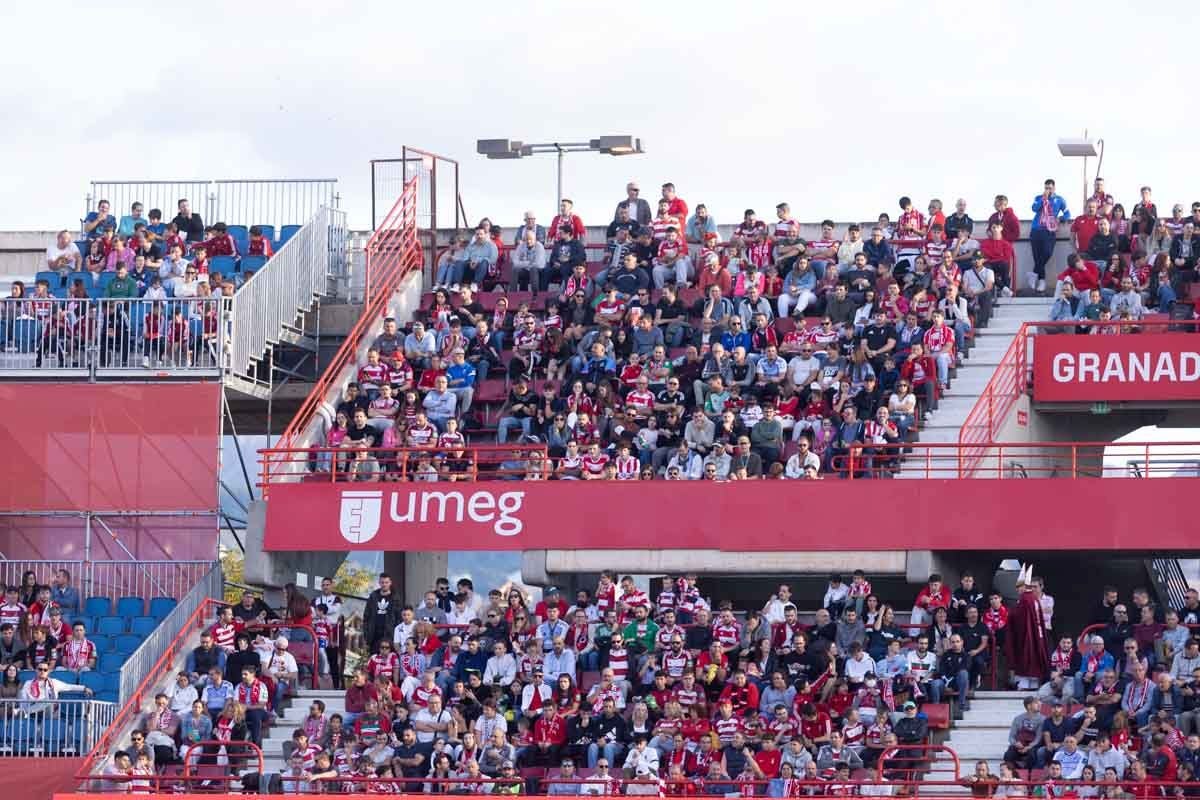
382 613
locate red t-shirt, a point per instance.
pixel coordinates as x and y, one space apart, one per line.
1085 228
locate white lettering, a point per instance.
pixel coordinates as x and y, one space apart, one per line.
1114 370
1063 367
1165 369
1189 367
1089 367
1139 367
441 498
481 506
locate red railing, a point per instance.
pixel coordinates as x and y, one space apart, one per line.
479 462
392 254
1012 379
918 460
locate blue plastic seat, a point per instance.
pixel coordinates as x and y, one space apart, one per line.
161 606
97 607
87 621
86 277
26 675
65 675
92 680
127 643
84 247
252 263
49 276
142 626
103 643
268 232
107 697
54 734
111 662
287 232
222 264
241 235
106 278
61 292
112 681
131 607
110 626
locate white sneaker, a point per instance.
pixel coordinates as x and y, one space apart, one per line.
145 362
454 287
1006 292
1033 280
1041 286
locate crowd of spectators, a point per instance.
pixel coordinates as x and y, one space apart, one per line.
137 257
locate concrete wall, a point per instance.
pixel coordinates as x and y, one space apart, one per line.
23 254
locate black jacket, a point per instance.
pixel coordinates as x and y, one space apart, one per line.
381 615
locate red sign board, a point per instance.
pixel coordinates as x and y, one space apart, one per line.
1085 368
738 516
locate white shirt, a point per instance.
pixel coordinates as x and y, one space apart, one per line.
278 663
800 368
54 252
187 288
423 715
642 758
402 633
795 467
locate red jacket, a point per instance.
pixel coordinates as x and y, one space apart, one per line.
1086 278
1010 226
550 731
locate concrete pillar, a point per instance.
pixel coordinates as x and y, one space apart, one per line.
414 573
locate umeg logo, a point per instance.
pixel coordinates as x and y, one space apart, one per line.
362 511
359 521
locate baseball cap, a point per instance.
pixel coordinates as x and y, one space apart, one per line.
909 704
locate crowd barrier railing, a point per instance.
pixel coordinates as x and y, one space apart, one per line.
111 579
274 202
64 726
110 337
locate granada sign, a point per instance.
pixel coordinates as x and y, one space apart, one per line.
1088 368
740 516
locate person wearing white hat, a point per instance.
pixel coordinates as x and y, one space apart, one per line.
281 666
1026 642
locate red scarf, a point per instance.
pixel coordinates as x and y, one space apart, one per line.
35 689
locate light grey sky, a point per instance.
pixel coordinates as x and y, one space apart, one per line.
838 109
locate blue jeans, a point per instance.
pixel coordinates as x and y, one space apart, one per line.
589 661
507 422
961 682
445 272
961 326
461 268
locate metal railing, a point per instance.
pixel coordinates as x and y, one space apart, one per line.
234 202
436 206
145 578
392 255
64 727
1012 378
269 305
113 579
109 337
208 586
1169 580
468 462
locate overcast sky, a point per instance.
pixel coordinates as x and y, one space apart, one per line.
838 109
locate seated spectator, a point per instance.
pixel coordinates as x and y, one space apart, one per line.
39 692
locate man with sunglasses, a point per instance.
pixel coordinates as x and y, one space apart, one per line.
39 692
634 206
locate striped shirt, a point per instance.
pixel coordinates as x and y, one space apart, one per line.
660 225
618 662
77 653
787 230
675 665
223 635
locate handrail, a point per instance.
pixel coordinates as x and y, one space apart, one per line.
152 677
243 744
392 254
1011 378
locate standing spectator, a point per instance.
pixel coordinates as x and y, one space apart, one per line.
1049 209
638 208
189 224
63 594
381 614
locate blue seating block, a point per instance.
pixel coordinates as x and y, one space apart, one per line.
127 643
226 265
131 607
97 607
143 626
111 662
287 232
161 606
268 232
110 626
92 680
252 263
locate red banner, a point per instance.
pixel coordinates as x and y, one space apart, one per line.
825 515
1152 366
107 447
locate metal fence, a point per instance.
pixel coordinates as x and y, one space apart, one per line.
145 578
209 585
234 202
65 727
81 336
113 579
274 299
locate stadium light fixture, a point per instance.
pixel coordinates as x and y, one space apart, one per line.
503 149
1085 148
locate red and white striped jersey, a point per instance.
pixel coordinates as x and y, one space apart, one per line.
660 225
666 600
675 665
638 399
422 694
933 251
662 639
728 634
370 376
817 247
380 663
632 600
606 596
304 760
611 693
594 464
76 653
782 730
668 249
686 697
618 662
11 614
751 230
787 229
422 436
627 468
223 635
726 727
